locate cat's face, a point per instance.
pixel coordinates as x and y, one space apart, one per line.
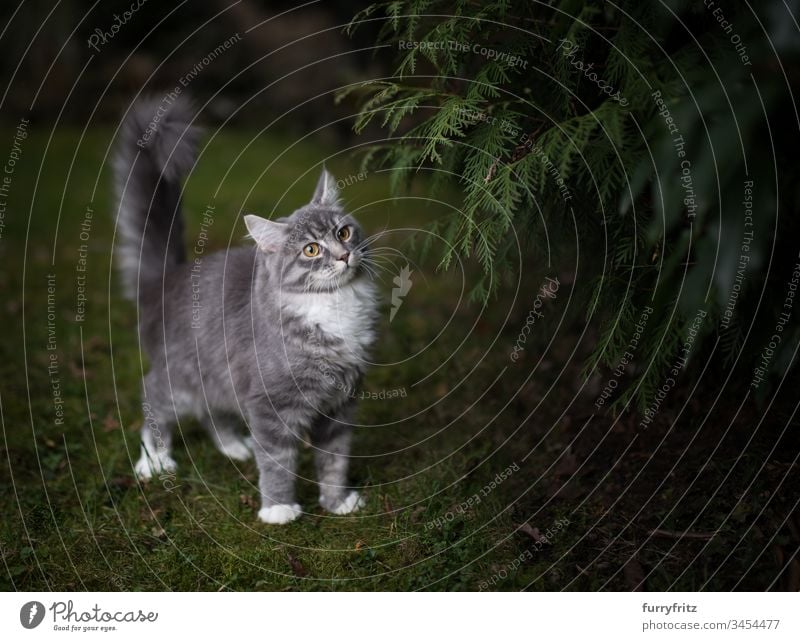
318 248
323 250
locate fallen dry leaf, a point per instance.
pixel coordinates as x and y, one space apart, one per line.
634 574
147 514
297 568
567 464
418 511
77 371
95 344
793 576
248 501
532 532
121 482
110 423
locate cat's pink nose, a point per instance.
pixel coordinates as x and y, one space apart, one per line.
344 256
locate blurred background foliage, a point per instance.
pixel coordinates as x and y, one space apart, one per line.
293 55
654 228
487 127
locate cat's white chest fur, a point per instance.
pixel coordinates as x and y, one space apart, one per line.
347 313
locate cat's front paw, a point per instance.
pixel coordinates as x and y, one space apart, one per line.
350 503
279 514
149 465
236 450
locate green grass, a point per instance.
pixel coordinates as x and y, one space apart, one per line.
74 518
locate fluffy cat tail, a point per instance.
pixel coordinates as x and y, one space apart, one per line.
155 150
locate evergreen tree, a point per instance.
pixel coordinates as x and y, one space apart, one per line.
663 134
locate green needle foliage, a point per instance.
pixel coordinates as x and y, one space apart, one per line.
663 135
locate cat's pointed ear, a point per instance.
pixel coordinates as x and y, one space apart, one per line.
268 234
326 192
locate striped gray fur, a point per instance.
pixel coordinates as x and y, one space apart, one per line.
275 337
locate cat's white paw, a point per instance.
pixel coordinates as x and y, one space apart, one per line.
351 503
150 465
236 450
279 514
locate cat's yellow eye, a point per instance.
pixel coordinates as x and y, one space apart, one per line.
344 233
311 250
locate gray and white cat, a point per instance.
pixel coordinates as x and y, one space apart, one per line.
277 333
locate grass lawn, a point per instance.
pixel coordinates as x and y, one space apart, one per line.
438 515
